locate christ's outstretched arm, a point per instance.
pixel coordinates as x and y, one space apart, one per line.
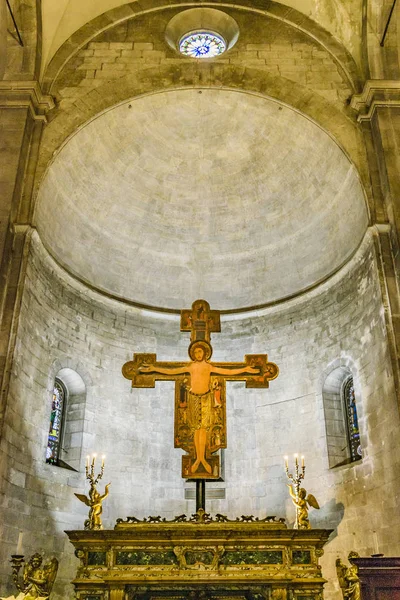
164 370
238 371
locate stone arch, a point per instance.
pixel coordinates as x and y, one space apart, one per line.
333 383
70 364
274 10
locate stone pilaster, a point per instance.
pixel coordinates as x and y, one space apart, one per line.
23 110
378 108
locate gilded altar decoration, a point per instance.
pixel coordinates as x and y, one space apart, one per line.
94 500
37 578
201 516
299 495
200 399
348 578
279 594
229 558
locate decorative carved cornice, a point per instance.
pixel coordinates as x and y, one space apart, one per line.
200 517
26 94
376 93
381 228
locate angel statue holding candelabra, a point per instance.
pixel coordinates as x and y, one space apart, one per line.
298 494
348 578
94 500
38 577
302 502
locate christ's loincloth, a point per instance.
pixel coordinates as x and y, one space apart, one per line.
200 411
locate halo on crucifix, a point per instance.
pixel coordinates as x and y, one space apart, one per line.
200 407
207 348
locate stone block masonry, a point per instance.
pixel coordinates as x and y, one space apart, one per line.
297 59
63 324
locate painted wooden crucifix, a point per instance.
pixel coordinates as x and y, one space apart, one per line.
200 414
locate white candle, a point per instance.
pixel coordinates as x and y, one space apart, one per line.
296 456
19 544
102 460
375 538
302 461
93 459
87 461
286 462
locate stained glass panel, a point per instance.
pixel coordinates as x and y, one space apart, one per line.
352 420
202 44
56 417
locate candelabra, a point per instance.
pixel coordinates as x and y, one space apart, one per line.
17 561
296 479
38 577
90 470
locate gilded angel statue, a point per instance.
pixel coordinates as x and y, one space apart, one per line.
301 502
94 501
38 578
348 578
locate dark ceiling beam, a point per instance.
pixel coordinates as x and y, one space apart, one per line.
382 42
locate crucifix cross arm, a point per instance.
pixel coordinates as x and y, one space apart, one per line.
256 370
234 370
144 370
163 370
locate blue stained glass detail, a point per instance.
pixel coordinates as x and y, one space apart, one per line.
57 410
202 44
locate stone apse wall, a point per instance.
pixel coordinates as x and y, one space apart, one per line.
65 325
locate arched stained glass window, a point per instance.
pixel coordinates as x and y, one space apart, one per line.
353 432
56 423
341 418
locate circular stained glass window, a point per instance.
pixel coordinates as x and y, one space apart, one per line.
202 44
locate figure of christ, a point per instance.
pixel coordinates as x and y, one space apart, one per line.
200 396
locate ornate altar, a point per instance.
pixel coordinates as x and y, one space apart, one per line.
200 557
